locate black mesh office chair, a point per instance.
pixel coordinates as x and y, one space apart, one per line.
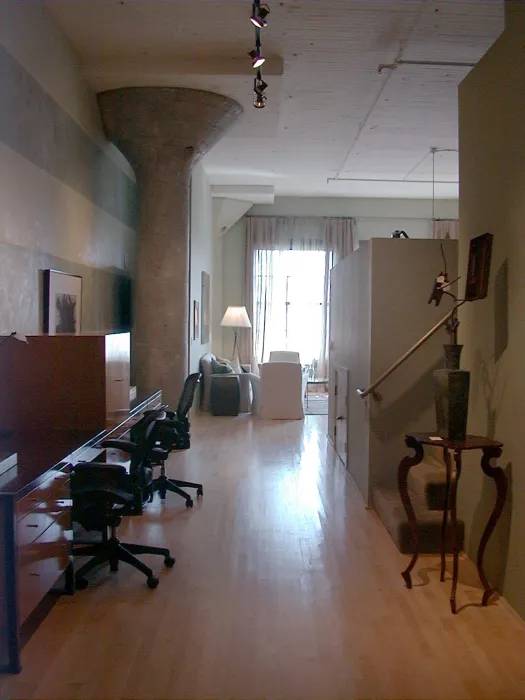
104 493
173 433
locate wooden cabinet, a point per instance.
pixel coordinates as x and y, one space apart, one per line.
65 382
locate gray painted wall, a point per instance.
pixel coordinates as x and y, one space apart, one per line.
403 272
350 348
67 200
492 177
380 309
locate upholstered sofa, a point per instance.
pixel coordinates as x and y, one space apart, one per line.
208 377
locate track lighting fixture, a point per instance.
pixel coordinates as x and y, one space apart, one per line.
257 59
258 18
258 84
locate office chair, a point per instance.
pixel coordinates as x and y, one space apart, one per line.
104 493
172 432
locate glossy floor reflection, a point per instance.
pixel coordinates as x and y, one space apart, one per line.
285 587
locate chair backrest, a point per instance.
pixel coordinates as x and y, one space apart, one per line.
144 445
284 356
188 394
281 391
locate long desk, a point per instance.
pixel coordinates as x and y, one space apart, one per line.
35 520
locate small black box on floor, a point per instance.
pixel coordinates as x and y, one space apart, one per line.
225 395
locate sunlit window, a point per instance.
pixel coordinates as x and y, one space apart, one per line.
289 303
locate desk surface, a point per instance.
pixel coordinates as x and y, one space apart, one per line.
38 453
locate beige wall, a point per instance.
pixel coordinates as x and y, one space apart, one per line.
380 309
376 218
68 198
350 322
233 245
201 256
403 273
492 186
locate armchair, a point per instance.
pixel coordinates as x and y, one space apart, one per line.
102 495
284 356
278 391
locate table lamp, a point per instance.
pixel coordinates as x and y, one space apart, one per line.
236 317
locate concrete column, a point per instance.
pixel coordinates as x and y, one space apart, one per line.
163 132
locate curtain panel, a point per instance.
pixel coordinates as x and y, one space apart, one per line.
445 229
265 236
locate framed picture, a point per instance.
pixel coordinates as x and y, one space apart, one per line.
205 308
62 303
195 319
478 270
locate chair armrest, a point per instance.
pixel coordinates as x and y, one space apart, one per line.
120 444
86 466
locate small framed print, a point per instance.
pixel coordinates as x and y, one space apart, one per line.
478 271
62 310
195 320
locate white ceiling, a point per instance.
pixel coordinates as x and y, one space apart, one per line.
330 112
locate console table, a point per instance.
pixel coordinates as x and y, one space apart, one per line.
490 450
35 520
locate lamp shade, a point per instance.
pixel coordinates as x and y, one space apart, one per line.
236 317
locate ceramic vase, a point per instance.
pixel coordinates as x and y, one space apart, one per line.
451 393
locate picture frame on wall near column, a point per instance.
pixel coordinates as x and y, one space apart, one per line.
62 303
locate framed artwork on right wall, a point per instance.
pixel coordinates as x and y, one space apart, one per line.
205 308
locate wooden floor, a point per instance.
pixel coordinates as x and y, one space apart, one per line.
285 587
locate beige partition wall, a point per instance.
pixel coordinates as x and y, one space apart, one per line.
379 301
492 186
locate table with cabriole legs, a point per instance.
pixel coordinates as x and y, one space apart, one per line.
490 450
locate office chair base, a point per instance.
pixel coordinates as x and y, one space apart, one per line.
112 551
162 484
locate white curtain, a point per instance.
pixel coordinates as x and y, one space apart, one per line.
267 265
445 228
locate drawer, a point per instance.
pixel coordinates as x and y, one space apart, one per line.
30 527
42 562
51 492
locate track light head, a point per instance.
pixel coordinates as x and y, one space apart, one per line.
258 19
258 83
260 101
257 59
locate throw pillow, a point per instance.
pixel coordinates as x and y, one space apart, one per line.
233 363
220 368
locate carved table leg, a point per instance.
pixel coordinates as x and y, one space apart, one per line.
453 520
500 478
442 547
402 476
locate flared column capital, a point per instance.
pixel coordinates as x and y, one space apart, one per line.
180 124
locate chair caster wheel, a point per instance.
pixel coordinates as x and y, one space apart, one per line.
81 583
153 582
169 562
189 503
200 492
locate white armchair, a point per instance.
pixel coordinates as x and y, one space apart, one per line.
290 356
278 391
284 356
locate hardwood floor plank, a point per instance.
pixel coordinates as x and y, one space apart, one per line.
285 587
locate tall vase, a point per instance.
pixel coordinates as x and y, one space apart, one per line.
451 392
